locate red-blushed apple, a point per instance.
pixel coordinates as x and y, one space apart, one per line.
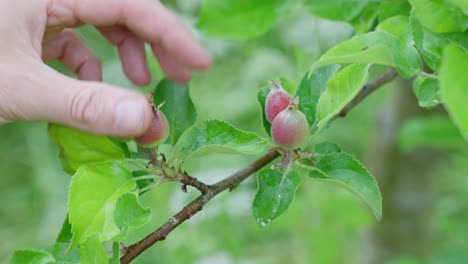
290 128
157 132
277 100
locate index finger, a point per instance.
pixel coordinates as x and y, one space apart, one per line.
149 20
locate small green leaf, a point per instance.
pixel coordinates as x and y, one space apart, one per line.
399 27
94 192
436 132
365 20
341 89
288 85
216 136
129 212
427 91
344 170
79 148
29 256
310 89
115 254
261 97
394 8
275 194
178 107
377 48
431 44
92 252
326 148
439 16
341 10
424 40
237 19
142 183
63 254
454 85
65 235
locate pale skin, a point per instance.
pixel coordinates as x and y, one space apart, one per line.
33 32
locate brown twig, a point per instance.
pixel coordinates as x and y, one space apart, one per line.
368 89
194 182
196 205
231 182
151 155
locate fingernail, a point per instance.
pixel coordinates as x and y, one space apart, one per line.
129 117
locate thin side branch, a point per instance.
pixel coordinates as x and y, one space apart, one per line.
368 89
194 182
231 182
195 206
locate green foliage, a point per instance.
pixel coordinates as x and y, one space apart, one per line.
31 257
275 194
63 254
115 259
341 10
94 193
65 234
435 132
398 26
431 44
427 91
344 170
394 8
365 20
92 252
311 88
262 96
462 4
325 148
439 16
453 85
375 47
103 200
79 148
288 85
178 107
341 89
129 212
238 19
216 136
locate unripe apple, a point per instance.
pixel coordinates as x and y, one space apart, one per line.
157 132
277 100
290 128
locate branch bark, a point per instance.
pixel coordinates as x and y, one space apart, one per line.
194 182
197 205
231 182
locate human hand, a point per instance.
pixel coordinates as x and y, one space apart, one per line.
34 31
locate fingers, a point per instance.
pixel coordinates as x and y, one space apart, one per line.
132 53
41 94
147 19
69 49
173 69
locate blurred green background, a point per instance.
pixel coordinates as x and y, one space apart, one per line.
425 189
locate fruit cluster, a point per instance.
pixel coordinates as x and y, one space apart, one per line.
289 126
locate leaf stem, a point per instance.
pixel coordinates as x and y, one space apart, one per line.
144 177
428 75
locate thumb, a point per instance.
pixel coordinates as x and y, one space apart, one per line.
46 95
